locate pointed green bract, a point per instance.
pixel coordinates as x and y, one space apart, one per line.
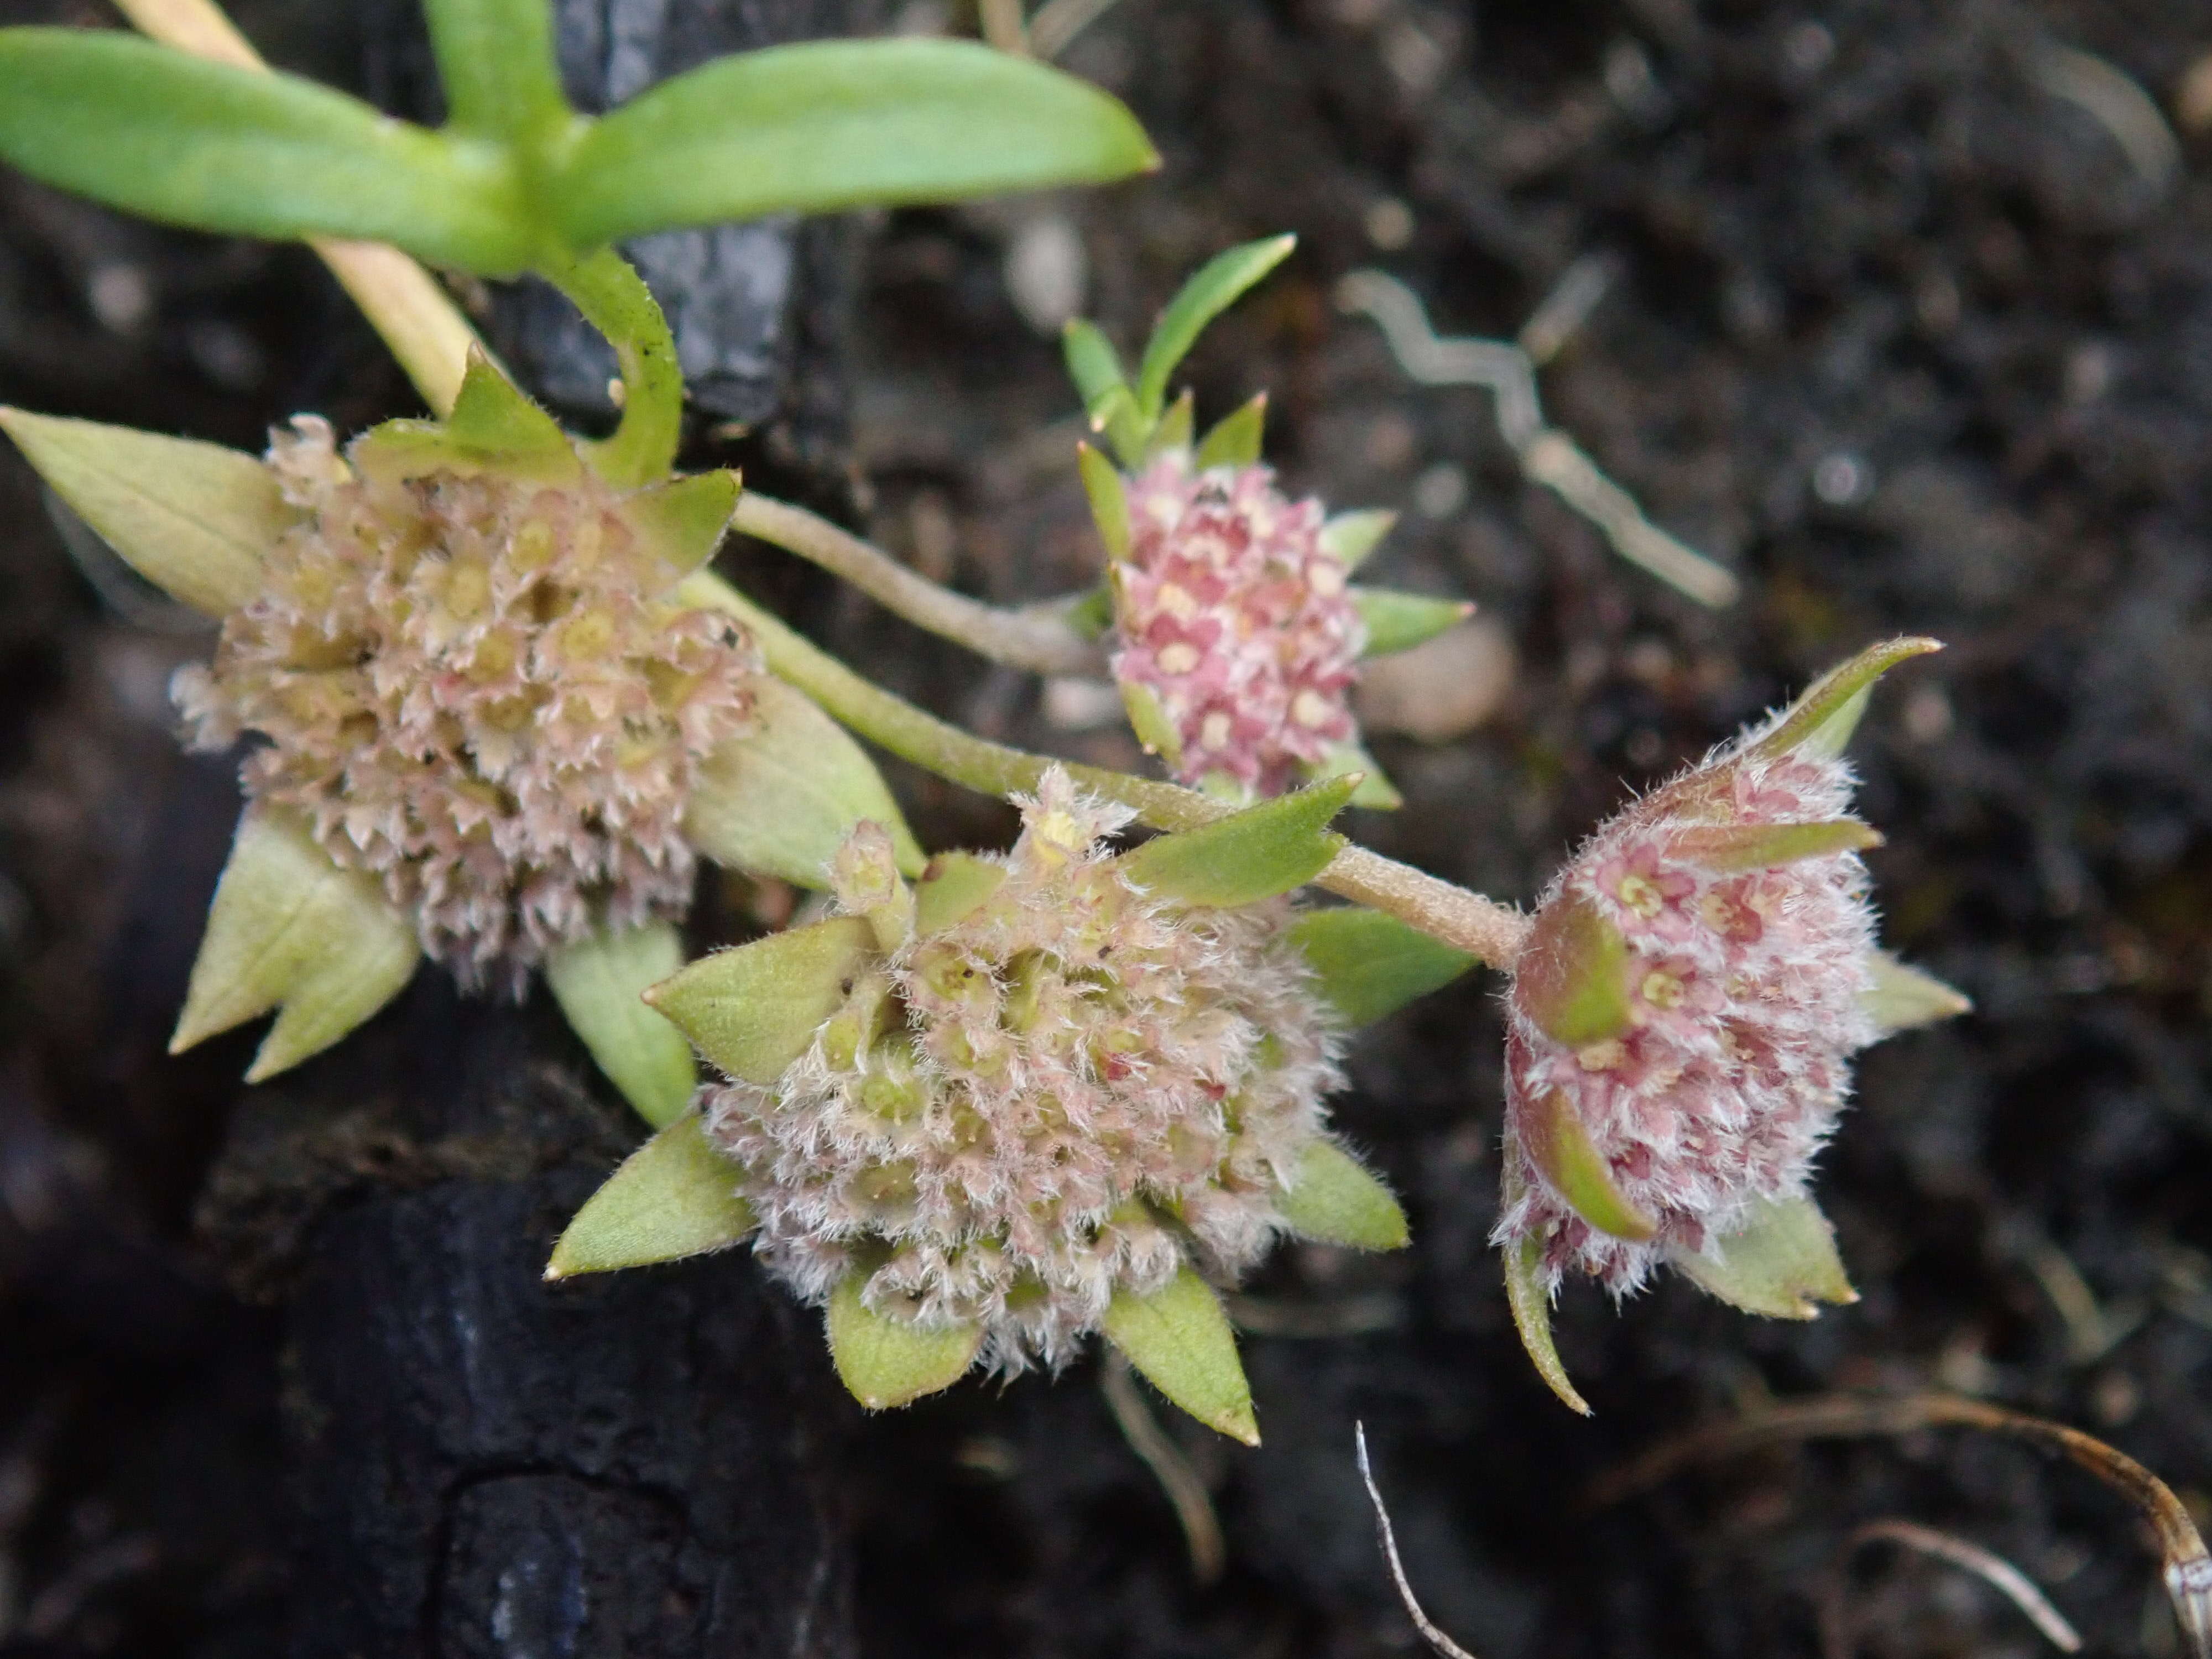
825 125
1781 1263
493 428
1399 622
1149 721
676 1196
780 799
195 519
683 520
886 1362
1557 1143
1731 849
1352 535
495 62
1821 722
1127 433
1528 1293
1092 362
600 983
1376 793
292 931
1090 613
1248 856
1572 975
1110 499
213 147
1181 1340
953 886
1368 963
1333 1200
1236 441
1174 429
754 1010
1901 996
1216 286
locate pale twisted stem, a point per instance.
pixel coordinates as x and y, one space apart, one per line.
1478 926
1035 637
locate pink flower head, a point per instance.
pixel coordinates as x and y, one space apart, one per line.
1237 620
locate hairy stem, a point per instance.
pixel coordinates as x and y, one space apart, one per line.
1034 637
1481 926
615 301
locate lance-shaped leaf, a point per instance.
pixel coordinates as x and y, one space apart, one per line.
1572 974
954 886
214 147
1174 429
825 125
1399 622
1352 535
886 1362
780 798
1331 1198
1731 849
1110 499
292 931
675 1196
1216 286
1090 613
495 62
1557 1143
681 519
1368 963
600 983
1181 1340
1343 759
1149 721
1821 721
1901 996
1782 1263
754 1010
493 428
195 519
1236 440
1092 362
1248 856
1528 1293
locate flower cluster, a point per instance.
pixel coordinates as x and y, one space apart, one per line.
1050 1087
469 691
1236 618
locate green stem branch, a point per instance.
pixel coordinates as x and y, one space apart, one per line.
615 301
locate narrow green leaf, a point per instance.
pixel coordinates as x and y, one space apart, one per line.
1180 1339
1901 996
1248 856
683 520
195 519
1174 429
780 800
1127 433
1370 963
1528 1293
1352 535
1149 721
1236 439
187 141
1376 793
1333 1200
1781 1263
1572 974
290 930
886 1363
1821 721
496 58
1218 284
953 888
1557 1143
1110 499
493 428
754 1010
673 1197
1090 613
1730 848
600 983
1399 622
826 125
1092 362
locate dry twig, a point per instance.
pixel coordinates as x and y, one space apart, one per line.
1429 1633
1836 1633
1201 1529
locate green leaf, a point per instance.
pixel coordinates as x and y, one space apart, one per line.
886 1362
1370 963
1901 996
1821 722
1217 286
1399 622
1090 613
1352 535
1155 732
495 59
1731 849
290 930
1092 362
673 1197
195 519
177 138
1173 429
1235 441
1781 1263
1572 974
954 887
683 520
837 123
1528 1293
1557 1143
754 1010
493 428
1248 856
1333 1200
600 984
780 799
1180 1339
1376 793
1128 434
1109 501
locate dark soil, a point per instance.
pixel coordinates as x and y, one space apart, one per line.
1903 329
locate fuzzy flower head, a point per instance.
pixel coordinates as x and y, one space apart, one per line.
1236 621
1682 1019
470 687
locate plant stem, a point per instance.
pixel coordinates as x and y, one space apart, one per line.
615 301
1034 637
1482 927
